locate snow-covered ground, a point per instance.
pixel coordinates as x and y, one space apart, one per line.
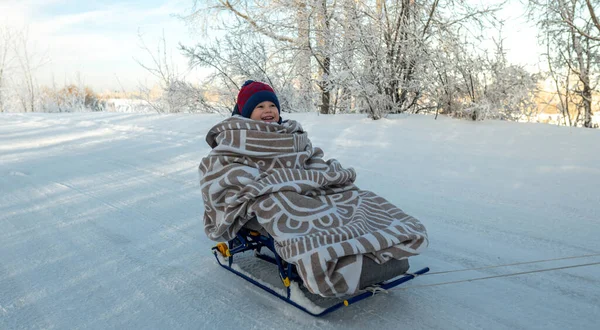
101 224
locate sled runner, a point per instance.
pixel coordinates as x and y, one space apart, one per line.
375 278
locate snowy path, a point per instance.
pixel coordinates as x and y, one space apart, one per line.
100 224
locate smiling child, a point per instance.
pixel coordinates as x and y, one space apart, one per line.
257 101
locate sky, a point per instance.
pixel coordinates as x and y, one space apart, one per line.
98 41
101 224
520 40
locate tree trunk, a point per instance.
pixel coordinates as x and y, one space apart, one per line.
582 56
348 50
303 71
587 105
325 90
324 42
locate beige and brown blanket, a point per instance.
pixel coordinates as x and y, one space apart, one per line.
319 219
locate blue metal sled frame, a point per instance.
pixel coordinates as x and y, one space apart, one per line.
251 240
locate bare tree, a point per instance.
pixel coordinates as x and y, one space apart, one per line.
177 95
571 33
28 92
6 37
589 26
22 79
162 68
235 59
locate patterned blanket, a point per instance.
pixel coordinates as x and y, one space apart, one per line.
319 219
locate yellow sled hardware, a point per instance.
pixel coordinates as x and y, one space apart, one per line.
223 249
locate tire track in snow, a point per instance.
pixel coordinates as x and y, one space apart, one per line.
157 173
126 210
134 263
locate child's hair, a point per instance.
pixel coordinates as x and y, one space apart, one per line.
252 94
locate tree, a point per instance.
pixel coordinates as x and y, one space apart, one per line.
18 87
28 88
373 56
177 95
6 37
302 71
288 27
405 45
571 33
588 29
235 59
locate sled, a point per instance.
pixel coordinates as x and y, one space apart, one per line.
251 240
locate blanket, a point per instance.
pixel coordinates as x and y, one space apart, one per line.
320 220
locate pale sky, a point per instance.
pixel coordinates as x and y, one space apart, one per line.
99 39
520 41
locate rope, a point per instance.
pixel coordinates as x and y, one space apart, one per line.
495 276
375 290
513 264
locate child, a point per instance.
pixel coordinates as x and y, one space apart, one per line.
257 101
272 177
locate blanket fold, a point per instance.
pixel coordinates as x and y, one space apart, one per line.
319 219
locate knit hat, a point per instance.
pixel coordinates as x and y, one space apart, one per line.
252 94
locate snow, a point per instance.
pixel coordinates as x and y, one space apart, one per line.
101 224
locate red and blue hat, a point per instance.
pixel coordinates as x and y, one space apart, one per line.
252 94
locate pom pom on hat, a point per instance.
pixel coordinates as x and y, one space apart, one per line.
252 94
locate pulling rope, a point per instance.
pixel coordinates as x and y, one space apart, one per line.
495 276
513 264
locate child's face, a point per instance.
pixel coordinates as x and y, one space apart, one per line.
265 111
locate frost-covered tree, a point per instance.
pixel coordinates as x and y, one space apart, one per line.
370 56
405 47
512 89
234 59
503 91
279 30
472 84
570 30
